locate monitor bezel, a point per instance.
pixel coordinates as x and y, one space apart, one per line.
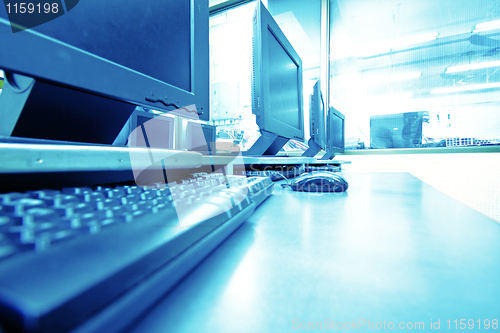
317 112
46 59
264 26
330 148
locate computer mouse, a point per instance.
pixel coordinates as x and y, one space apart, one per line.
321 181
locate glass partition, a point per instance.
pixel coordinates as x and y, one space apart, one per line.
231 62
412 74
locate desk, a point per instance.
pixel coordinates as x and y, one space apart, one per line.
390 249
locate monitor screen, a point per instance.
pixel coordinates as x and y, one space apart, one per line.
336 132
150 130
201 137
91 66
283 84
277 79
128 21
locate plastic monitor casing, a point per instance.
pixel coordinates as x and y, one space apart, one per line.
316 123
318 117
335 134
276 80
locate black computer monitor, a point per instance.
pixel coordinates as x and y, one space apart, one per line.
335 131
277 86
201 137
151 130
316 123
80 76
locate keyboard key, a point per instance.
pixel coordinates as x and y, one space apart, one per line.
133 189
77 190
72 209
115 193
93 197
43 193
88 221
13 196
37 215
5 222
144 205
59 200
18 207
115 211
149 194
106 203
163 200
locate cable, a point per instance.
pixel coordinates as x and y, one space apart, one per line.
287 180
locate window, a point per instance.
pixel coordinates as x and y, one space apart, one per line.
231 62
406 74
416 73
230 74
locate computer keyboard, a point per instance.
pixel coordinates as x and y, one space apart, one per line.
93 259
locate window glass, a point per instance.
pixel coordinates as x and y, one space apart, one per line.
231 62
230 74
416 73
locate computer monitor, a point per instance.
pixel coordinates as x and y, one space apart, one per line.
316 123
277 86
80 76
151 130
201 137
400 130
335 134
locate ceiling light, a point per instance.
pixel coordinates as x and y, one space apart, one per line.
466 88
480 65
486 26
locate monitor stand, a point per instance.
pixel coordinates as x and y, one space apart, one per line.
41 110
313 149
268 144
328 155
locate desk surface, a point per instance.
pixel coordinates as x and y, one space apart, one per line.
390 249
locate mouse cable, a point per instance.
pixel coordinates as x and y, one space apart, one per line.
287 180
